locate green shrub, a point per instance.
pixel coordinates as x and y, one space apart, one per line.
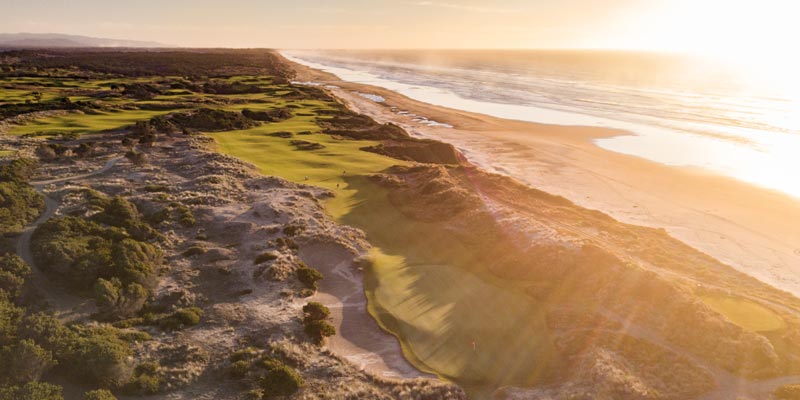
308 276
238 369
146 379
318 330
96 355
179 319
280 380
264 257
316 311
116 300
99 394
13 273
32 391
25 361
19 202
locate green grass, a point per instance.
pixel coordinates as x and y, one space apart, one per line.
745 313
7 153
85 123
426 287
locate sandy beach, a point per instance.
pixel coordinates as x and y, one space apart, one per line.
752 229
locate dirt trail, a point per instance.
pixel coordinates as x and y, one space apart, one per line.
66 306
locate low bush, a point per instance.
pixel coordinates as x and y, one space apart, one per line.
308 276
99 394
318 330
181 318
316 311
32 391
280 380
146 379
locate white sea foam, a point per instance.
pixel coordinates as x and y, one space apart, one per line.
668 129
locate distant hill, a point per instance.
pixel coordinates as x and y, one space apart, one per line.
49 40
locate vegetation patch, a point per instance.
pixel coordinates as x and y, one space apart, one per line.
745 313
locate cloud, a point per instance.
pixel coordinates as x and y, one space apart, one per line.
467 7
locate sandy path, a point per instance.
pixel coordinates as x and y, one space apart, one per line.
754 230
359 338
67 307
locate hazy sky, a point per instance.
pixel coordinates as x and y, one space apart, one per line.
677 25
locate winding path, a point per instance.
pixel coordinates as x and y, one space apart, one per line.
66 306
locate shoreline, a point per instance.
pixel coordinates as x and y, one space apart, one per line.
745 226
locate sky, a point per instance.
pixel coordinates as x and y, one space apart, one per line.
701 26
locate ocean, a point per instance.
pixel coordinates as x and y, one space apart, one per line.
675 110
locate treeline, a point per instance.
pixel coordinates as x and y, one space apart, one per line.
202 62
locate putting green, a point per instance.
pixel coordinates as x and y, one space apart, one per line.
745 313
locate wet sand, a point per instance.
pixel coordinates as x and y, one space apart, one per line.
756 231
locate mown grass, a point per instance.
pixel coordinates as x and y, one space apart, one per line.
85 123
745 313
425 286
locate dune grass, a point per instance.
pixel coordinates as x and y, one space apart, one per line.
745 313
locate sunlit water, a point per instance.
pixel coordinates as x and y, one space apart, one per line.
678 111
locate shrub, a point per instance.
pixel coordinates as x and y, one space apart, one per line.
118 300
32 391
318 330
99 394
179 319
13 272
280 380
308 276
238 369
25 361
146 379
264 257
316 311
19 202
96 355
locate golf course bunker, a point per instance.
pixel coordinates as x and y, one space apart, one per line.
745 313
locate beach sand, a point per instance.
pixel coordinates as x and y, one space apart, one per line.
752 229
